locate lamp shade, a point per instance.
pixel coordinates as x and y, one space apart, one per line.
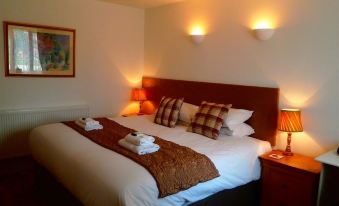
290 121
139 94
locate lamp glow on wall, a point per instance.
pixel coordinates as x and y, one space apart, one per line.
197 34
263 30
290 121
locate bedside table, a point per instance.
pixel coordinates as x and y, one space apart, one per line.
290 181
329 180
132 114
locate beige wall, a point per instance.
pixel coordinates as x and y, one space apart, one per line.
109 59
109 48
302 58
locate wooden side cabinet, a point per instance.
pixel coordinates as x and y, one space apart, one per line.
290 181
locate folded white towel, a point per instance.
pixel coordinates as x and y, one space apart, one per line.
89 121
88 127
140 150
139 139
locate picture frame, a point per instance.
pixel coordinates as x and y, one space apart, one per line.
38 51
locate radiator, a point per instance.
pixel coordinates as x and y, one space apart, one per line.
15 125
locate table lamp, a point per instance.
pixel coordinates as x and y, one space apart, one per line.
290 121
139 94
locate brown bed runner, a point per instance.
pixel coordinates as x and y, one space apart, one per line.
173 167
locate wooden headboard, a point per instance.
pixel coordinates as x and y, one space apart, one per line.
263 101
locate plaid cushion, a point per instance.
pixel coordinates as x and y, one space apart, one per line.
168 111
209 119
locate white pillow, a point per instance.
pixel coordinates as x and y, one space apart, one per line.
226 131
236 117
187 112
242 130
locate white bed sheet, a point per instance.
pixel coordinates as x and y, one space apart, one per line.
98 176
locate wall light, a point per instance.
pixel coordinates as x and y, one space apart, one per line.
263 30
198 35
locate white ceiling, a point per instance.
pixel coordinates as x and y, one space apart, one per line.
143 3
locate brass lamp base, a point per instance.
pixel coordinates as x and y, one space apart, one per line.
288 151
140 107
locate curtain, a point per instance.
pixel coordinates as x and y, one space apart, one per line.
26 52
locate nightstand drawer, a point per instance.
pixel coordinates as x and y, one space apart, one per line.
283 182
281 188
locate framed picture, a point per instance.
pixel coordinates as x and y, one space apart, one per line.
39 51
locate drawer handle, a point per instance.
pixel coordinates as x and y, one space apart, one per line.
283 185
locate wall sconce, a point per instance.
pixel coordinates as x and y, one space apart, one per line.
263 31
198 35
264 34
198 38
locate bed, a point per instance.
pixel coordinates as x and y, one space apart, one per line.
98 176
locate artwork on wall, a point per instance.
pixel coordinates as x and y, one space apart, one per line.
39 51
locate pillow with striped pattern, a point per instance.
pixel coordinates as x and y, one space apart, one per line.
209 119
168 111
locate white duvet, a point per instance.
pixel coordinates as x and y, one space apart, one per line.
98 176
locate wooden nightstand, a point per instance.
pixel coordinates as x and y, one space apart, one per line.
290 181
132 114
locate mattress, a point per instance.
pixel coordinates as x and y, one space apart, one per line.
98 176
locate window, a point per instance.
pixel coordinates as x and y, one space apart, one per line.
25 55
